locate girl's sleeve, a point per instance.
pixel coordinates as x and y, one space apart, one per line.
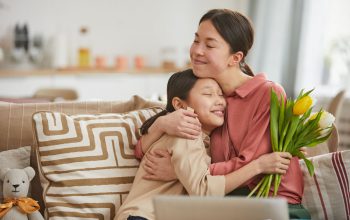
191 164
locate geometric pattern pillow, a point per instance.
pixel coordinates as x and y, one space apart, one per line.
326 194
87 162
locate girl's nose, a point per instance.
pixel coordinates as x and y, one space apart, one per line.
221 101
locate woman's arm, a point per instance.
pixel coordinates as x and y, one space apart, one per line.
191 163
181 123
269 163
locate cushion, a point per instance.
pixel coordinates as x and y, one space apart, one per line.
15 158
326 194
86 161
16 123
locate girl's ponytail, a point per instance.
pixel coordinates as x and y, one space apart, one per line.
145 126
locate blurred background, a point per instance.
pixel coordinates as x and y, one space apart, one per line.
113 49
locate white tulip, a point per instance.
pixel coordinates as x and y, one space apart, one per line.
326 120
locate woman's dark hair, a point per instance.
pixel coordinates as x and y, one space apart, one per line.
236 30
179 85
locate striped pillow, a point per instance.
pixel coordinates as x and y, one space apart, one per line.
86 162
326 194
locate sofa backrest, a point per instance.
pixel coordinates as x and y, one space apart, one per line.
16 123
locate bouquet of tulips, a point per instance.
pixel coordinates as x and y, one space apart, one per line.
292 126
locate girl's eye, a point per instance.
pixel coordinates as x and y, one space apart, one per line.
210 46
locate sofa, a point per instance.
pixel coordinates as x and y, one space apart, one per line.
82 153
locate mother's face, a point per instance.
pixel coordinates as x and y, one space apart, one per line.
210 53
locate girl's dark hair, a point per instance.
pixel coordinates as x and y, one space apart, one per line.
236 30
179 85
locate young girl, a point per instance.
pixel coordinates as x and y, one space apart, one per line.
189 157
218 51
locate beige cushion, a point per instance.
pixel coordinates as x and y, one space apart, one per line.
87 162
15 158
326 194
16 123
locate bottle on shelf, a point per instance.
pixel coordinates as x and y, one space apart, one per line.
84 53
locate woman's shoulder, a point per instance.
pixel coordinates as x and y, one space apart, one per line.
269 85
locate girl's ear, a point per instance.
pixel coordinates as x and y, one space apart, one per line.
236 58
178 103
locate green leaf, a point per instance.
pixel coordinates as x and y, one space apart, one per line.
283 136
274 113
313 142
306 93
281 115
308 163
291 131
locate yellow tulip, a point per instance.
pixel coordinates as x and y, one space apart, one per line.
302 105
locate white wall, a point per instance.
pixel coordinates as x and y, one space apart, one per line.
117 27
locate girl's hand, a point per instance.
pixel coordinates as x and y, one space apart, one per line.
181 123
277 162
158 166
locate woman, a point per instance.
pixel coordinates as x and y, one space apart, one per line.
189 157
221 44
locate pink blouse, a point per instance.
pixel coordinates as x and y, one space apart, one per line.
245 136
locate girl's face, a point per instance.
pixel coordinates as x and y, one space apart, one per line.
210 53
206 98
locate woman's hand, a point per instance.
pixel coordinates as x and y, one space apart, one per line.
181 123
277 162
158 166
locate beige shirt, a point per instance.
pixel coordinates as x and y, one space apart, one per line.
191 163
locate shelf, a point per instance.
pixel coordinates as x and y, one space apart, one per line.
74 71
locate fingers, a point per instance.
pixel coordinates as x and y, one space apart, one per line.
150 164
150 177
189 113
284 161
149 170
161 153
189 135
285 155
281 171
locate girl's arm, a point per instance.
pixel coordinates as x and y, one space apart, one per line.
181 123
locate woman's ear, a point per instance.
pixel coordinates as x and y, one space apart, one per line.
236 58
178 103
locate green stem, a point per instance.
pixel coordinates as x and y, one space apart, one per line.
277 184
256 188
263 187
268 187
